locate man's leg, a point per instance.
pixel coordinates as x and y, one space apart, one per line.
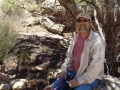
60 84
88 86
63 86
56 83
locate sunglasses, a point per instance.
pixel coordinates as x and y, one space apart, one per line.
82 20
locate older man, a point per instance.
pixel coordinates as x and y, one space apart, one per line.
85 55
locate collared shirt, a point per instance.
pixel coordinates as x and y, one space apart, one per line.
92 58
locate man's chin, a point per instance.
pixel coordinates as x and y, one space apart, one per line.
82 31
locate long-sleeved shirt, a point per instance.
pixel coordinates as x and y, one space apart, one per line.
92 58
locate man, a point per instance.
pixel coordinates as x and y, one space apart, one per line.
85 55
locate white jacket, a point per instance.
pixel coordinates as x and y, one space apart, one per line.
91 61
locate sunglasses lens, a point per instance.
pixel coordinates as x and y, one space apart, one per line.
82 20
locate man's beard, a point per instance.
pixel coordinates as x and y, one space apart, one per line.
83 31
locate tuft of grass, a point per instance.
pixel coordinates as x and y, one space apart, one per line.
36 8
7 39
24 56
11 7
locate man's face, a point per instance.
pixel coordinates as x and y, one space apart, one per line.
83 25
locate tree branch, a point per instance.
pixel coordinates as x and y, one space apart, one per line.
100 14
69 5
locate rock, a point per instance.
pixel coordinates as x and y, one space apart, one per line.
36 22
4 78
109 83
23 67
53 7
46 23
18 84
23 84
48 88
51 26
4 86
97 88
36 83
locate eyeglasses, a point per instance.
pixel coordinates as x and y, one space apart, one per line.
82 20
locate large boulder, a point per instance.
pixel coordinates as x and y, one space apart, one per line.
51 26
4 77
109 83
18 84
5 86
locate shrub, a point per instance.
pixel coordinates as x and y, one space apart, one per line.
11 7
7 39
23 56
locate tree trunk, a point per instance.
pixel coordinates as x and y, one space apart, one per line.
70 6
109 26
110 35
71 11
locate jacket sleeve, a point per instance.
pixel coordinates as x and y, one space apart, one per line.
65 65
68 59
96 65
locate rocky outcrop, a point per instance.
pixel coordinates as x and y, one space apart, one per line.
4 80
51 26
48 24
107 83
5 86
4 77
18 84
53 7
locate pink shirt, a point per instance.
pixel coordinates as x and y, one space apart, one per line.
78 48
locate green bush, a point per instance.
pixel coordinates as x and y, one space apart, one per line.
23 56
11 7
7 39
77 1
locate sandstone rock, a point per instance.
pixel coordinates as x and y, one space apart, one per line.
51 26
109 83
53 7
5 86
18 84
35 83
4 78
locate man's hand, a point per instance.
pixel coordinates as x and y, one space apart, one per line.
73 83
62 74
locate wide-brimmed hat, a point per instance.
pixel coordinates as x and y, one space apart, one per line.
84 15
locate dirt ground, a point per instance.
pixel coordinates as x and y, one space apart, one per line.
43 52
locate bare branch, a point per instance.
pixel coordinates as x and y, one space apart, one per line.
100 14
